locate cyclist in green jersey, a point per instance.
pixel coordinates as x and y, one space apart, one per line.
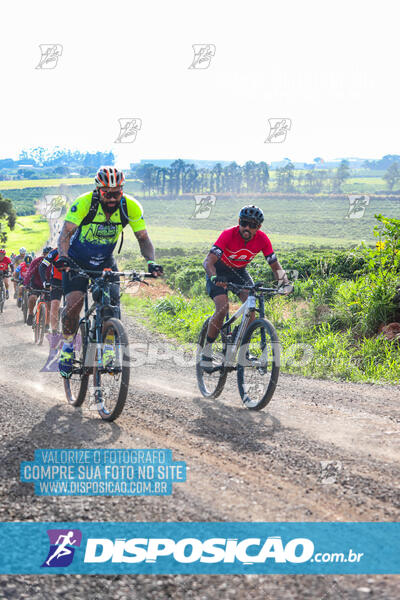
88 237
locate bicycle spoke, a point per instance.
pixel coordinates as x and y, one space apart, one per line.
258 367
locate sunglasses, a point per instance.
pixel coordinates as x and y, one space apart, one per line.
250 224
109 195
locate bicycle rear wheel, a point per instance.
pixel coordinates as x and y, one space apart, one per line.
211 384
35 324
2 299
111 380
258 366
25 305
41 322
76 386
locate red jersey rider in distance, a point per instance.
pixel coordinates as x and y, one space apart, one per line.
226 262
5 265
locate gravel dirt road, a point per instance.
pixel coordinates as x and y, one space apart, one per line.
320 451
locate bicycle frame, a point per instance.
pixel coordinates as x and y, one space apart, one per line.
94 334
248 307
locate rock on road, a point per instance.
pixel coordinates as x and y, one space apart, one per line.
320 451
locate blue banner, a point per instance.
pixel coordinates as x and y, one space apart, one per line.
208 548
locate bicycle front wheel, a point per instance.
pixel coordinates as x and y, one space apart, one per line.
258 366
76 386
111 371
211 384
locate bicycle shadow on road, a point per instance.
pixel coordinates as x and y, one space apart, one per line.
243 430
61 428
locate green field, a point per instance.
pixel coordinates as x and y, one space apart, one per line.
365 185
31 232
290 223
36 183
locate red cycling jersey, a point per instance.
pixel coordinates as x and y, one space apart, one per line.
5 262
31 276
235 252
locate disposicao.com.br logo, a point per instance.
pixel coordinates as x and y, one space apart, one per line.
213 550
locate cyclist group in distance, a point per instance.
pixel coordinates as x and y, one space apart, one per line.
88 238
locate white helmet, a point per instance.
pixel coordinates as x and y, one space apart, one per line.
22 250
109 177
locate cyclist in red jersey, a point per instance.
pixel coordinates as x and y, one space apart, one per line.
226 262
5 265
32 281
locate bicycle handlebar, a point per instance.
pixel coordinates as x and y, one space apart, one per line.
257 287
136 276
42 291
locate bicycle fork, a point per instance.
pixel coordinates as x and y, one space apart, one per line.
233 347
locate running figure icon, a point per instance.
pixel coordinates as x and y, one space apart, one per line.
63 543
62 549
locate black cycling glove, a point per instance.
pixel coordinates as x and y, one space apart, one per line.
154 267
63 262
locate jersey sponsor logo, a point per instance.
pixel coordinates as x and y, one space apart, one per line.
241 255
106 230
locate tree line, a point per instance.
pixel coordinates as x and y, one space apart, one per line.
252 177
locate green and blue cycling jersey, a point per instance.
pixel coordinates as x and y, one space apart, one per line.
92 244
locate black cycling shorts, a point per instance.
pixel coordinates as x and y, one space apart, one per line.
56 289
239 276
71 282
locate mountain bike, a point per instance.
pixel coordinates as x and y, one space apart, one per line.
40 314
2 291
101 331
252 349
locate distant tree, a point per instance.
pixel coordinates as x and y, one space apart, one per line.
342 173
285 178
8 215
61 170
392 175
217 176
7 163
26 173
383 163
262 177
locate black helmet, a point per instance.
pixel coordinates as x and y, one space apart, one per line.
28 260
47 249
252 212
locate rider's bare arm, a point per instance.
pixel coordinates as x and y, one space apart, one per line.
209 264
67 231
279 273
145 244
